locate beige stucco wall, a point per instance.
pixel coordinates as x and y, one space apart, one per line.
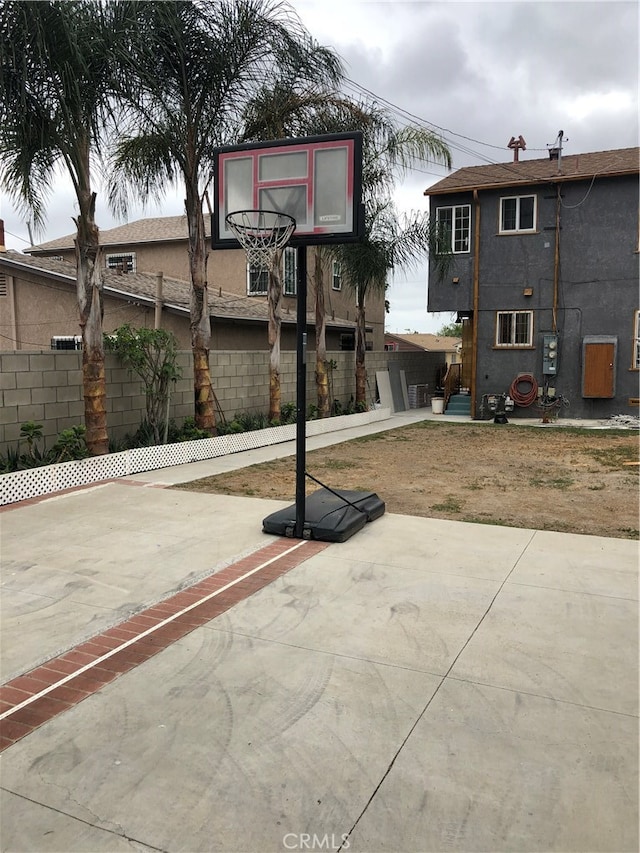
226 270
45 307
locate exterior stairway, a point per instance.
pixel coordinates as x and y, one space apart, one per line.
459 404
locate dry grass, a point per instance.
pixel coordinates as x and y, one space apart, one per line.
558 478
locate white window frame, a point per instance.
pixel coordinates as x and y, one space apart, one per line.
289 271
114 260
336 276
258 282
459 239
636 341
518 229
516 340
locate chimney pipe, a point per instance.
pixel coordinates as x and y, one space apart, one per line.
3 248
517 145
555 153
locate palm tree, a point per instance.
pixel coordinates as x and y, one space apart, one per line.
274 300
194 66
322 376
55 85
291 108
392 241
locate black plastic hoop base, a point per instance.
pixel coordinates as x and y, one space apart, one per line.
327 517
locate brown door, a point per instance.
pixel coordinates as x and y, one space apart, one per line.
598 370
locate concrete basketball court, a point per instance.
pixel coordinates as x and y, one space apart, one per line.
426 686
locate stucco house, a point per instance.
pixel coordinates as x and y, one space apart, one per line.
154 245
38 308
424 342
544 280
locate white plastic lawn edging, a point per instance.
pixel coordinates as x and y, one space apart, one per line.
35 482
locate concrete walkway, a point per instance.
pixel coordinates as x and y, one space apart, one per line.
426 686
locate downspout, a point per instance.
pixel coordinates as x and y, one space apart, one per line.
11 292
158 312
476 302
556 265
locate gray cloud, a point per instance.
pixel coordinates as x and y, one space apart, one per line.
484 70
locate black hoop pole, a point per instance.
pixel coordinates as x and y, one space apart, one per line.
301 388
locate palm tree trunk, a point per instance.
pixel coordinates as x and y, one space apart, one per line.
89 292
322 377
274 298
361 348
200 323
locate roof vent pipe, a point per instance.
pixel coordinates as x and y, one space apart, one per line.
517 145
555 153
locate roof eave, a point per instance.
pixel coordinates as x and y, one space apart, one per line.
30 268
528 182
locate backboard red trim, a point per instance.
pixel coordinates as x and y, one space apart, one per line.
317 180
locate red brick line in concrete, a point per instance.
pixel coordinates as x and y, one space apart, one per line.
33 698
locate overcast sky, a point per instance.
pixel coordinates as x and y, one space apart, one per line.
478 73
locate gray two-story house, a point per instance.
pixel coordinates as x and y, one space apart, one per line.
544 277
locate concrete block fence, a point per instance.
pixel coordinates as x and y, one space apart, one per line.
46 386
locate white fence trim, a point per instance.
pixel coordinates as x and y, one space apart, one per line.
35 482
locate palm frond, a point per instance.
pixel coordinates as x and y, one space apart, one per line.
56 93
141 166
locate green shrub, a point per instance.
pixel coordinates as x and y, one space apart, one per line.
244 422
69 445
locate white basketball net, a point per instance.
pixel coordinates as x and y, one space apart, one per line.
261 233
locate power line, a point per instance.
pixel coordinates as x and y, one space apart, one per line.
400 109
356 87
11 234
420 119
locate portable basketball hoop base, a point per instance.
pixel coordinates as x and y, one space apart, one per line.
330 515
313 187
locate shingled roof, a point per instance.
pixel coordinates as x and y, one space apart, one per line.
162 229
573 167
428 342
176 294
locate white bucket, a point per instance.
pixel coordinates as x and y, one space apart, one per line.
437 405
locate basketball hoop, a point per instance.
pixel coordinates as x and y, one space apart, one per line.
261 233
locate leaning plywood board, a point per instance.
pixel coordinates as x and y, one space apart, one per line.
398 387
384 389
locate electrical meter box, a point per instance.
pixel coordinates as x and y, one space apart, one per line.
550 355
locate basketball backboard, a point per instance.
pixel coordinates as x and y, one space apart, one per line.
316 180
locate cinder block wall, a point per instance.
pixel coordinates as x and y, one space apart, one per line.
46 387
420 367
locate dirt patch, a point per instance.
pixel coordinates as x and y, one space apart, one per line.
557 478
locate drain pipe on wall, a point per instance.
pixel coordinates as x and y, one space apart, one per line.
476 302
158 313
